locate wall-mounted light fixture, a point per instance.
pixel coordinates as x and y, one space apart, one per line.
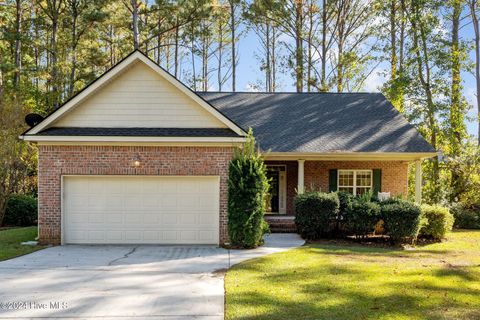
136 161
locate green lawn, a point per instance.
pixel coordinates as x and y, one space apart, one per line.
328 281
10 240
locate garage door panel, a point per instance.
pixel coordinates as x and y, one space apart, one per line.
114 218
114 235
96 218
169 202
188 219
126 209
151 219
206 235
169 219
134 218
206 219
97 187
113 202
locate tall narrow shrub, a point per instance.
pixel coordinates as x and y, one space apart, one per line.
247 189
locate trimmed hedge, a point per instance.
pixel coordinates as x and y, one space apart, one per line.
437 221
314 213
345 200
21 211
466 217
361 217
247 189
401 219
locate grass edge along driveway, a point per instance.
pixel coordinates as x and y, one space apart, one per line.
348 281
11 239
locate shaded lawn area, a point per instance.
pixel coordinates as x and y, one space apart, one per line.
10 240
331 281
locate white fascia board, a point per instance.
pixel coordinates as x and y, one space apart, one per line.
40 138
349 156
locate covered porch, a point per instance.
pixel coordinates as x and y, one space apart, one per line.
356 174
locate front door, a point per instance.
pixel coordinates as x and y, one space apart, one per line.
276 200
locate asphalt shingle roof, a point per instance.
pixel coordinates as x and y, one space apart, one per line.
140 132
320 122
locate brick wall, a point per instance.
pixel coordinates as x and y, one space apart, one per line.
394 175
55 161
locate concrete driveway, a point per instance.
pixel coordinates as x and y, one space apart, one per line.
112 282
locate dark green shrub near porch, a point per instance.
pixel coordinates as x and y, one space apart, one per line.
316 213
345 200
437 221
466 217
21 211
247 188
361 216
402 219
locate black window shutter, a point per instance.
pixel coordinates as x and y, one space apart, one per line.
377 181
332 180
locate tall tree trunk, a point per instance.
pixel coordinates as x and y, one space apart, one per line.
111 49
323 80
18 43
268 76
159 39
192 49
54 63
309 43
74 42
205 47
422 61
273 82
299 44
393 41
457 123
401 93
220 53
234 54
340 65
177 39
134 4
476 28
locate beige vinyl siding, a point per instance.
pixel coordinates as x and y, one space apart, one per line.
139 97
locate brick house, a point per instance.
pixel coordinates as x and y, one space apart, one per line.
137 157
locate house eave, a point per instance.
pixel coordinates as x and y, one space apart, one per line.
349 156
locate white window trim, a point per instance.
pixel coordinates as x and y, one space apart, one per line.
355 179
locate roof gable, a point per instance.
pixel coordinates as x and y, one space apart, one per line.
137 93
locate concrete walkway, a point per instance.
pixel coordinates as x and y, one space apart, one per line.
114 282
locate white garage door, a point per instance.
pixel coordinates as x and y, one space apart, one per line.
126 209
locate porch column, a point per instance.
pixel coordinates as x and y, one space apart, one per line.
301 183
418 181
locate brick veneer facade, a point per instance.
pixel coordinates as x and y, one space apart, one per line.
394 175
55 161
